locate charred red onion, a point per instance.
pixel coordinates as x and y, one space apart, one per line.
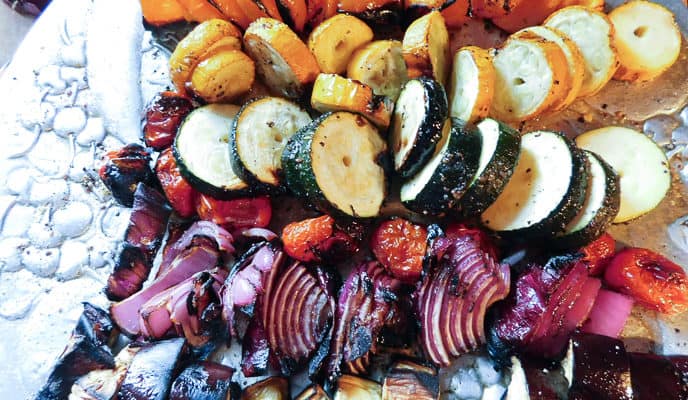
124 169
255 350
463 280
203 381
609 313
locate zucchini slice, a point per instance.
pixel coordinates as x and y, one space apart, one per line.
381 66
333 41
426 47
260 131
444 179
419 115
600 208
501 146
200 149
335 163
471 87
545 192
643 167
335 93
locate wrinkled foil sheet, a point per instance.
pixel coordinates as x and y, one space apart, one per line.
59 228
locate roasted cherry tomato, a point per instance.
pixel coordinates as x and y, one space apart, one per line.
597 254
237 213
314 239
400 246
650 278
179 192
163 117
122 171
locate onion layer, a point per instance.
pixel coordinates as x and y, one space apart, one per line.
609 314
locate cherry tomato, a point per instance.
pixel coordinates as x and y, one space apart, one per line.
650 278
315 239
237 213
598 253
163 117
400 246
179 193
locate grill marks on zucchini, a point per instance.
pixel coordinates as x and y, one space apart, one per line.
545 192
419 115
335 162
200 149
260 131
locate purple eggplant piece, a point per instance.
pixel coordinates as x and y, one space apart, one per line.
545 381
681 364
202 381
152 370
143 237
255 350
601 367
124 169
87 351
655 377
31 8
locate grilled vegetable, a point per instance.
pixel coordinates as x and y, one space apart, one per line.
377 12
203 381
457 13
546 190
333 41
200 150
407 380
500 148
124 169
223 76
335 163
155 12
199 10
272 388
232 11
295 13
164 115
250 212
334 93
283 61
532 75
419 116
400 246
254 9
260 131
655 377
179 193
312 392
426 48
103 384
598 253
647 38
350 387
649 278
317 239
527 13
600 208
609 314
381 66
445 178
152 370
204 40
471 87
414 9
593 33
574 59
535 380
493 8
640 163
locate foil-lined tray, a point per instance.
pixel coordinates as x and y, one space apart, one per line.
59 228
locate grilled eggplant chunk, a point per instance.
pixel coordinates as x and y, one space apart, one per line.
273 388
124 169
408 380
104 384
655 377
203 381
151 371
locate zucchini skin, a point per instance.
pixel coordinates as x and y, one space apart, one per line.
454 173
604 216
488 186
435 113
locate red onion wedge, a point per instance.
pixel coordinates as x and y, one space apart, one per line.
462 282
609 314
255 350
212 231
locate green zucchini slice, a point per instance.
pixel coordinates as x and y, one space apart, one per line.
602 200
445 178
200 149
260 131
419 115
501 146
336 162
546 190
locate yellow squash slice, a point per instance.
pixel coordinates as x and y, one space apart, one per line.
531 75
426 47
381 66
205 39
223 76
574 58
283 61
333 41
592 32
647 38
335 93
471 87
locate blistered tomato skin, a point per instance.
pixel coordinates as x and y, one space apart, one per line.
240 213
400 246
315 239
597 254
179 193
650 278
163 117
